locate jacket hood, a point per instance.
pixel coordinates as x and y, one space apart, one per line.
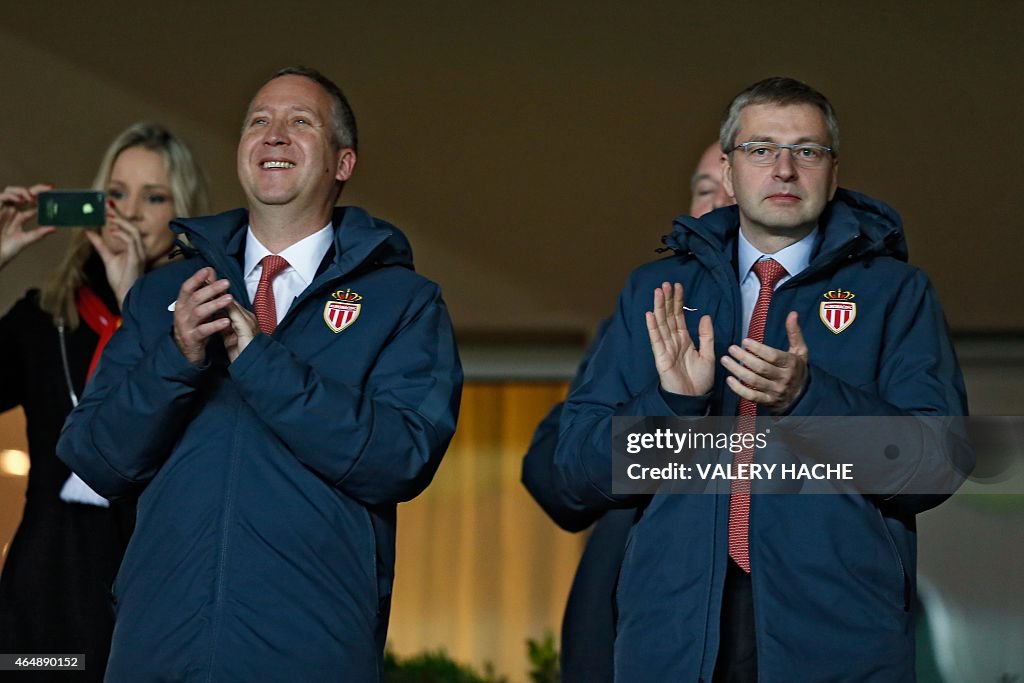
852 224
360 239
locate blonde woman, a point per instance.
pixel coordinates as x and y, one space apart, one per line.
55 586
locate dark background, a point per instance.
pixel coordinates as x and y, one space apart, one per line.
536 153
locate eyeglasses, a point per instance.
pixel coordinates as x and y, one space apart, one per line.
807 155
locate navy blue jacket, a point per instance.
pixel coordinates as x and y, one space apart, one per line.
833 575
588 628
264 548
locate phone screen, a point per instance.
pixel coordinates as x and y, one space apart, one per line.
72 208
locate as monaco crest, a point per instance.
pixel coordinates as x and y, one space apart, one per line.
342 311
837 311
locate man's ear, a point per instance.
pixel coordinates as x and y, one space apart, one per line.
727 176
346 164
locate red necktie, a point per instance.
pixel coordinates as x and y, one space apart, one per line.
769 272
263 304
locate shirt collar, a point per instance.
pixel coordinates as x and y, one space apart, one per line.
793 258
304 257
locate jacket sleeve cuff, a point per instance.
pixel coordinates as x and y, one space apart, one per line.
653 401
685 406
174 366
249 356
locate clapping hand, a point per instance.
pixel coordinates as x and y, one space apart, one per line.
199 313
242 330
682 367
766 375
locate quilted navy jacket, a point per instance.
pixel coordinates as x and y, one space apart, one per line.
264 549
833 575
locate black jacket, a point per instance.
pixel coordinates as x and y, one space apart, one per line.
55 586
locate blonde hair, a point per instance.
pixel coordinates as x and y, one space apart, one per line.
188 186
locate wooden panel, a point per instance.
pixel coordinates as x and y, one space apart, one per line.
12 488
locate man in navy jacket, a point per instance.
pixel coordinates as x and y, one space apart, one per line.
270 450
588 627
820 587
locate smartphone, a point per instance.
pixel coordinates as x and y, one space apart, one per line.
72 208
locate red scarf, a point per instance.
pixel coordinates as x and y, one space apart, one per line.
99 318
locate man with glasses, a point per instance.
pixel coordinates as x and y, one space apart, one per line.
797 302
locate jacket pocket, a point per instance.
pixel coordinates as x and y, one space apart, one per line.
901 568
619 573
378 601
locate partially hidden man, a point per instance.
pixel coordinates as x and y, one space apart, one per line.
740 587
588 626
270 450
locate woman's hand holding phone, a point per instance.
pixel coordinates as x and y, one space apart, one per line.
18 205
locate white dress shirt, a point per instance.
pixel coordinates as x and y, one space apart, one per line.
303 257
793 258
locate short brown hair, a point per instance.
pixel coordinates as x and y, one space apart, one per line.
783 91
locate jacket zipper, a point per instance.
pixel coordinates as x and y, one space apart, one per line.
302 298
711 588
222 558
843 253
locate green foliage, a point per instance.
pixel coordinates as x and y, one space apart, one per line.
434 667
543 660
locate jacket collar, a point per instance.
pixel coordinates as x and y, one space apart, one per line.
852 225
359 239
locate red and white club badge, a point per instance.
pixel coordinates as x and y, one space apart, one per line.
838 310
341 311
